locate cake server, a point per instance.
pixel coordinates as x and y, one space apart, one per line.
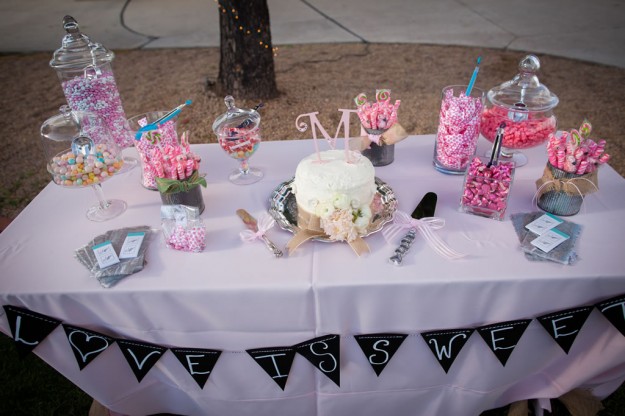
252 224
426 208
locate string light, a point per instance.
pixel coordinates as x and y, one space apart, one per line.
247 31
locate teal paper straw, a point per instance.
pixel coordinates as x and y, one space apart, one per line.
474 76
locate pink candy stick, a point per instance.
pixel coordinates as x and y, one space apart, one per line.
190 165
604 158
583 166
569 164
560 158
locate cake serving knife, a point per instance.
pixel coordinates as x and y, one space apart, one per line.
426 208
252 224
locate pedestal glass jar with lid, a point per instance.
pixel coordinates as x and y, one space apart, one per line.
525 106
80 152
86 74
238 132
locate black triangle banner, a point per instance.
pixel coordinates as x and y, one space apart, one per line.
276 361
28 328
502 337
86 345
141 356
379 348
563 326
324 353
614 310
446 344
198 362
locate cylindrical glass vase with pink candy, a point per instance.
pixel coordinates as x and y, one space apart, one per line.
86 74
526 106
458 128
150 140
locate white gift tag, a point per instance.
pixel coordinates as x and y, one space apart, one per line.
105 254
131 246
550 240
543 224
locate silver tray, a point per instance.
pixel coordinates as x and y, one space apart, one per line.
283 208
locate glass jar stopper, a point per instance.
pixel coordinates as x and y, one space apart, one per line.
524 93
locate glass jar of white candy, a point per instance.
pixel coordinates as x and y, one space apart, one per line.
80 152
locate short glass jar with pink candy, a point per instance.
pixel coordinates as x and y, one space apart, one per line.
487 183
525 106
487 188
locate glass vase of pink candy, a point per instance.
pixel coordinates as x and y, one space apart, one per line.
458 128
525 106
86 74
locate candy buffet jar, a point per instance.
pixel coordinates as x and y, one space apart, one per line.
526 106
486 188
238 133
81 153
78 149
85 71
164 135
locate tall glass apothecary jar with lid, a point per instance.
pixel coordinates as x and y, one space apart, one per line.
86 74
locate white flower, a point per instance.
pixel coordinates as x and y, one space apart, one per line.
340 201
324 209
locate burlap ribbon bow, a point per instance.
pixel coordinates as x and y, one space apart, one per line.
309 227
580 185
172 186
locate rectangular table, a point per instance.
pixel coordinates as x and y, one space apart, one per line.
235 296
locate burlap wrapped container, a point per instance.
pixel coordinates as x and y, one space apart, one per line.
562 193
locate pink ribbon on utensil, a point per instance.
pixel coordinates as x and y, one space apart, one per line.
265 223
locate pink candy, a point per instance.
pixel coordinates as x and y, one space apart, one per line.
165 136
518 135
191 239
379 115
486 188
239 143
99 94
458 130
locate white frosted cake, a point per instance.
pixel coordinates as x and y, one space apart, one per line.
338 192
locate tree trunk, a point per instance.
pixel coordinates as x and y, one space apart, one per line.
246 68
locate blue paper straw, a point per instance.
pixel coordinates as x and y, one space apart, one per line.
475 71
155 125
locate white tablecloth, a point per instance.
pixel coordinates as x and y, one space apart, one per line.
235 296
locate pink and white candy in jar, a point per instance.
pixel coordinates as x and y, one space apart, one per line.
238 132
86 74
525 106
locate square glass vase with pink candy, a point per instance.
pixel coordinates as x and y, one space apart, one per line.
487 183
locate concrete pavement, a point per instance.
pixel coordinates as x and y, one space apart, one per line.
580 29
